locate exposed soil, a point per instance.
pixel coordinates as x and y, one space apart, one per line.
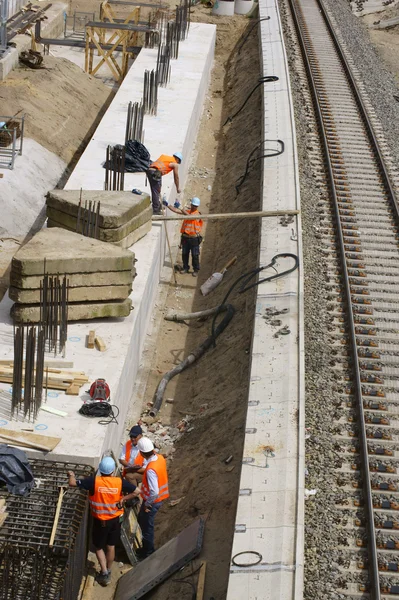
62 105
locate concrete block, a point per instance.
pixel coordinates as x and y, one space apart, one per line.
65 221
23 313
116 208
76 279
68 252
76 294
125 242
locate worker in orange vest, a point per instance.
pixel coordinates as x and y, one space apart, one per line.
131 458
163 166
106 497
154 490
191 237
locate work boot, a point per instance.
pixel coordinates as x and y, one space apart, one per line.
184 271
195 274
104 579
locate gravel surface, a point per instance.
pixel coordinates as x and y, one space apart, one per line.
379 83
325 552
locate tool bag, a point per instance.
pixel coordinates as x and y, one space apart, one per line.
99 391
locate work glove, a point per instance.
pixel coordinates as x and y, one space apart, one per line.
177 204
165 202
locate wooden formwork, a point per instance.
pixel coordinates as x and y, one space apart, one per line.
120 38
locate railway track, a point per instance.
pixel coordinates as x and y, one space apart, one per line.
361 241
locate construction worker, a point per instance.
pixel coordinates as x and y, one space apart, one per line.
154 490
158 169
131 458
106 503
191 237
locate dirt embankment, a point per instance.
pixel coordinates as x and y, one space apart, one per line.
62 105
216 388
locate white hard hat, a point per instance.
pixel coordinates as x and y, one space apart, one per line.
145 445
195 201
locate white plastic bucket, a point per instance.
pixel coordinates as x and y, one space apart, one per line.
242 7
224 8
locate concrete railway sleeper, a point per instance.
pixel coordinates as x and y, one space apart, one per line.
366 430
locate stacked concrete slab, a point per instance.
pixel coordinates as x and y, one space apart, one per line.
100 275
124 217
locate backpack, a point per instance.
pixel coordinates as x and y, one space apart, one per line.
99 391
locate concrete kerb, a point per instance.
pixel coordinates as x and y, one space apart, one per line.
270 511
174 128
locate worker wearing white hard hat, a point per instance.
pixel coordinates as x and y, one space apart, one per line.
154 490
107 495
164 165
191 237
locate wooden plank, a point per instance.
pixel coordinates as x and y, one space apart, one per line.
201 582
56 364
100 344
3 517
90 339
2 504
53 411
73 389
45 441
57 517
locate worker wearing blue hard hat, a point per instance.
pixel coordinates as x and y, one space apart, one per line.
191 237
164 165
107 494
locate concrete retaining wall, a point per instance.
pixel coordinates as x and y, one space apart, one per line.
173 129
270 508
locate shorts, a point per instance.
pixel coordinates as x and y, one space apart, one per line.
106 533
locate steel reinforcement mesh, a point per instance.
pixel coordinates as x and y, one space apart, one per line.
29 567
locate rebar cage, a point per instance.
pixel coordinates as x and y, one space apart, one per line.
29 567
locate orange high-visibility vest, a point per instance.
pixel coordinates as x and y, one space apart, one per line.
159 466
162 164
107 493
193 227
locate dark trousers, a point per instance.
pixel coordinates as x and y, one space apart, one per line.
154 177
146 522
190 245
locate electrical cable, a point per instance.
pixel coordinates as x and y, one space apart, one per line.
251 161
250 31
252 564
261 80
100 409
246 278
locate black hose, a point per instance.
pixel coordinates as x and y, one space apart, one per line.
251 161
100 409
250 31
192 357
246 278
261 80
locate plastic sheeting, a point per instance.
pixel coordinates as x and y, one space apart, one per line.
15 471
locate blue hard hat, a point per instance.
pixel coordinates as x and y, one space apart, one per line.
178 155
195 201
107 465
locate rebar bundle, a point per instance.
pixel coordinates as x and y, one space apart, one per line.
163 65
54 296
29 567
88 221
183 19
134 121
115 168
150 93
28 373
173 39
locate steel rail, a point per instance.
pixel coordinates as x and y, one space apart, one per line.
372 545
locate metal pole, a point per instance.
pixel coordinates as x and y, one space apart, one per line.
221 216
